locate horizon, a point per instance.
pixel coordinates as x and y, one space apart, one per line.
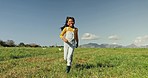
80 44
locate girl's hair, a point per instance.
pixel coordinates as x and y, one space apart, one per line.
67 18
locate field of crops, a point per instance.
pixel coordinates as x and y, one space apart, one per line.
87 63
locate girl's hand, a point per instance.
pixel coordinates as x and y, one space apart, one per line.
65 40
77 45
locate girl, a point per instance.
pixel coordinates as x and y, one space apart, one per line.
69 35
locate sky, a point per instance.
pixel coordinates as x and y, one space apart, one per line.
121 22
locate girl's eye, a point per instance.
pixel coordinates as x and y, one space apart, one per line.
70 21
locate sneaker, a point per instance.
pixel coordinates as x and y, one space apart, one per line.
68 69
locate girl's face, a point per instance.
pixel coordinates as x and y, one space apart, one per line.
70 23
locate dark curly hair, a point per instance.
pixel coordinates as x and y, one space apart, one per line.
67 18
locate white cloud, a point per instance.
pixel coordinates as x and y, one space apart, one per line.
113 37
141 40
114 43
89 36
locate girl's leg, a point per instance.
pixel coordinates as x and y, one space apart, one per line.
70 55
65 51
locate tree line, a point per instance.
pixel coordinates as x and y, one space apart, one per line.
11 43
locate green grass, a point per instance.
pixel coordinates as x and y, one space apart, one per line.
87 63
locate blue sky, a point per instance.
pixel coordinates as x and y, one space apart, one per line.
99 21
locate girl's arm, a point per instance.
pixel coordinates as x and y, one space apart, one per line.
62 35
76 37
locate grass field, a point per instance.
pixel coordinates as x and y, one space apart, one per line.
87 63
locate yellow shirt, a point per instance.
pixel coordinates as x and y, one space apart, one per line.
75 30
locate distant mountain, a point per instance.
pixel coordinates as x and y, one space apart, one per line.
90 45
131 46
95 45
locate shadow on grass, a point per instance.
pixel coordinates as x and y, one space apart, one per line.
84 66
19 56
97 65
105 65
